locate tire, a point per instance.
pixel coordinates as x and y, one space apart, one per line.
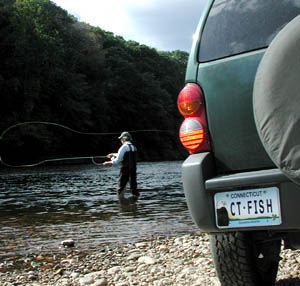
276 100
245 258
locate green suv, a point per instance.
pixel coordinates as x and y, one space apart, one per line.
242 129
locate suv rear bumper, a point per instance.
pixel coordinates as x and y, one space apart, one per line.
200 184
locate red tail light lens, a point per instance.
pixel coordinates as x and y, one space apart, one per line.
193 131
189 100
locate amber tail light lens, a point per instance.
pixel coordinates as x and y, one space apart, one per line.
189 100
193 132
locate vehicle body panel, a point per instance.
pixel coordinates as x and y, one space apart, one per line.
227 86
191 72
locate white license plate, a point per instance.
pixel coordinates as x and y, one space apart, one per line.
248 208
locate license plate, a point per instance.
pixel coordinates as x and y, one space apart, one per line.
248 208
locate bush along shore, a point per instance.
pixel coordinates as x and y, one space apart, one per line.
182 260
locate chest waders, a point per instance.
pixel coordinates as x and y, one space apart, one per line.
128 172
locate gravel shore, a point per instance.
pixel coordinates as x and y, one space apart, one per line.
181 261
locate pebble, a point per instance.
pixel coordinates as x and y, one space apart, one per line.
68 243
86 280
182 261
146 260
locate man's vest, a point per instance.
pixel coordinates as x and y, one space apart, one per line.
129 159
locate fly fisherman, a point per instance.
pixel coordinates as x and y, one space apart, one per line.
127 157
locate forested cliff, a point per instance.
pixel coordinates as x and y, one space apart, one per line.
59 70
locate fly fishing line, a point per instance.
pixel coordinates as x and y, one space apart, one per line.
92 158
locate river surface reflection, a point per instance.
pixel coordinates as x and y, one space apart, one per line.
41 207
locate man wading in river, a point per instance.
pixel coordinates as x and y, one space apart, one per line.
127 157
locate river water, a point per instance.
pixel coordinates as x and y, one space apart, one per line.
40 207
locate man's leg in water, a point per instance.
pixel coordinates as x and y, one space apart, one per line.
123 180
133 183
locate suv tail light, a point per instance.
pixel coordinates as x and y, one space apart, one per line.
193 130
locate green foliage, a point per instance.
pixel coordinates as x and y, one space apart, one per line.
56 69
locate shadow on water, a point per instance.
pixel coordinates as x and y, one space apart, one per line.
41 207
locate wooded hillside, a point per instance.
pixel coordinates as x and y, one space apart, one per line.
59 70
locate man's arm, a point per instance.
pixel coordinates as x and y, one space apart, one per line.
120 155
107 163
109 156
116 158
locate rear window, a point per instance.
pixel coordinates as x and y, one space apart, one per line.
237 26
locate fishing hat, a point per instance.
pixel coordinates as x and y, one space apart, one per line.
125 135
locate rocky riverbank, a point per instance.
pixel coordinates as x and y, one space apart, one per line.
180 261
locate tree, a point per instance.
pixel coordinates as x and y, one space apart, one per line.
57 69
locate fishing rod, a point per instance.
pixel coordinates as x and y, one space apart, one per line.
92 158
